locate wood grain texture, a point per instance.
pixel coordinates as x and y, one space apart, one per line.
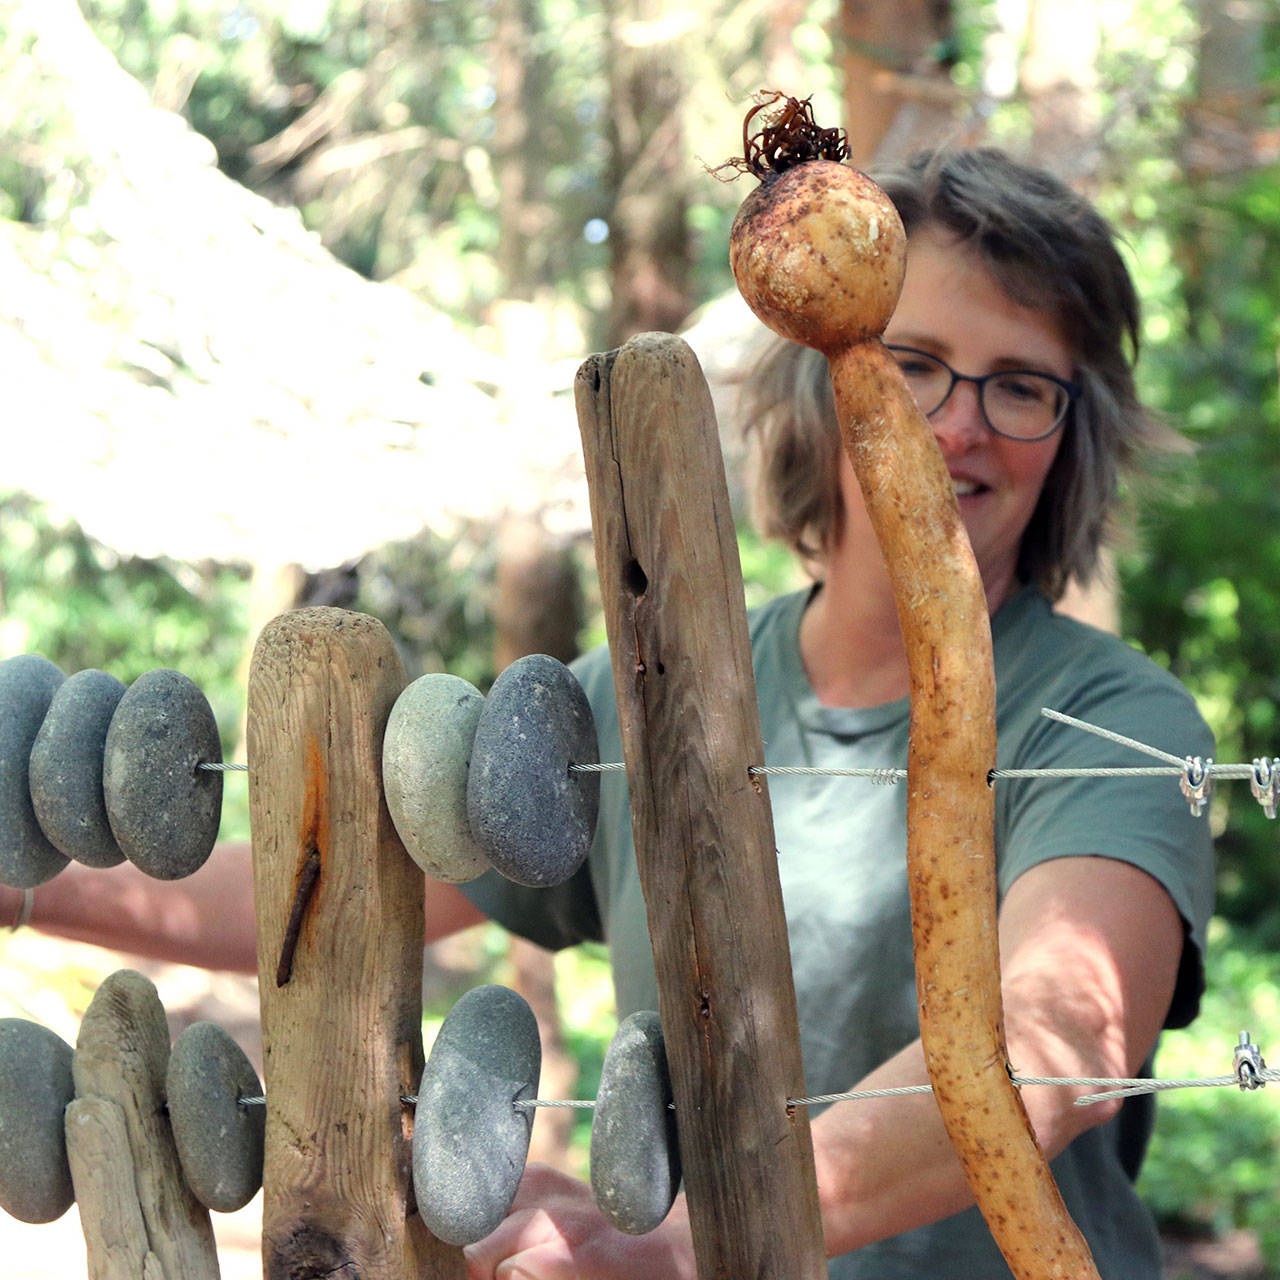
673 598
115 1236
951 814
341 1001
122 1053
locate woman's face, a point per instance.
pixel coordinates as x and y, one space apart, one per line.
952 308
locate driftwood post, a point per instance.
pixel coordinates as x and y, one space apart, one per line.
140 1220
340 934
673 598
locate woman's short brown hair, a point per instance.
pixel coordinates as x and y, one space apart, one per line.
1049 249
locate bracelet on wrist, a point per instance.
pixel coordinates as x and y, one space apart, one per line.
24 910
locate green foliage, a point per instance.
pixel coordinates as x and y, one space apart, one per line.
1199 589
1214 1156
768 568
587 1011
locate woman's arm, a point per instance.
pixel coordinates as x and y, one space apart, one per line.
1090 950
1089 954
205 919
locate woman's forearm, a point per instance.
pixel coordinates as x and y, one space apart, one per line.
1089 952
205 919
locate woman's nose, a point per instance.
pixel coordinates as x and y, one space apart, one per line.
958 423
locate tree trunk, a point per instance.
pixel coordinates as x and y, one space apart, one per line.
783 68
1059 76
1225 119
895 58
648 234
516 177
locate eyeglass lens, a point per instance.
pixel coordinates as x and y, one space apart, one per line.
1018 404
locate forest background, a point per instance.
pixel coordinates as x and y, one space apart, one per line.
449 203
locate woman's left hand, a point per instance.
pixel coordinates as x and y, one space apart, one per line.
555 1232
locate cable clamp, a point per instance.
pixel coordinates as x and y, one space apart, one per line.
1249 1064
1197 783
1263 784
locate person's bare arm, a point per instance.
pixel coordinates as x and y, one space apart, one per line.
205 919
1089 954
449 911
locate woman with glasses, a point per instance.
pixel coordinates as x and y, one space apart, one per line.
1015 331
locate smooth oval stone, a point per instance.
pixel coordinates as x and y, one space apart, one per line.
163 810
532 816
35 1088
27 687
425 753
220 1142
66 768
635 1156
469 1143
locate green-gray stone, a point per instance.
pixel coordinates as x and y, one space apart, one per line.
532 816
164 811
469 1143
425 753
219 1141
27 686
35 1088
635 1155
66 769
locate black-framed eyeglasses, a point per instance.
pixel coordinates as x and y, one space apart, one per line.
1019 404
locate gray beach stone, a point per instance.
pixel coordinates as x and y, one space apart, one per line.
35 1088
425 753
532 816
469 1143
220 1143
635 1156
164 812
27 686
66 768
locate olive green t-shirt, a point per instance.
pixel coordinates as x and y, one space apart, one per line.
841 860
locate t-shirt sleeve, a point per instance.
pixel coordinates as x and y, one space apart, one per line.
557 917
566 914
1144 821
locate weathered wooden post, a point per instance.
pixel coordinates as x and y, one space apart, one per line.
676 617
340 933
139 1217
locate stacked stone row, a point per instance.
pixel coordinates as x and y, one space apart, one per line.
218 1136
95 772
470 1135
474 782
